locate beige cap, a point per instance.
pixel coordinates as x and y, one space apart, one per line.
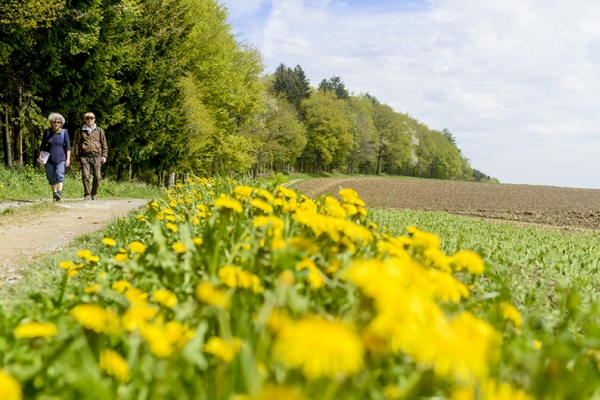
89 114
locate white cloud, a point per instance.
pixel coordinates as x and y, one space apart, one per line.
516 81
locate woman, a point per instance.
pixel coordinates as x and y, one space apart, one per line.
56 142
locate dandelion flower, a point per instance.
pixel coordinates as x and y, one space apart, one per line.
165 297
96 318
109 241
136 296
262 206
121 286
113 364
172 227
468 260
510 313
198 241
320 348
227 202
243 192
137 316
207 293
225 350
35 329
66 264
92 289
10 389
137 247
121 257
179 248
84 253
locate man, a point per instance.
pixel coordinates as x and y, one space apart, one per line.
91 154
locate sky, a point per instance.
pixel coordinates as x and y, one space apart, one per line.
516 81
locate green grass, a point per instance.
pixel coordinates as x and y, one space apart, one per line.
27 183
539 267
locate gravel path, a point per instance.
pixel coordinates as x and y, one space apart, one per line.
23 243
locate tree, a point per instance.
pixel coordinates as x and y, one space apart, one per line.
392 140
292 84
363 154
335 85
329 137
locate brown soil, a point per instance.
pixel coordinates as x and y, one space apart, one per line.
27 235
545 206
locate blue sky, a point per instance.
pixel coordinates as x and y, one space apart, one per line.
516 81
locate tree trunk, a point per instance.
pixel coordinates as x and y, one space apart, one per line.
18 131
6 140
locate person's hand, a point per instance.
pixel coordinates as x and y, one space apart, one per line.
103 160
40 160
67 163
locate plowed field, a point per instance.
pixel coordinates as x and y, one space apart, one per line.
548 206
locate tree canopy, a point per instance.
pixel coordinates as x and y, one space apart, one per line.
175 90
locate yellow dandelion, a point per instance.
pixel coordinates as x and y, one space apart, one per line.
265 194
137 247
320 348
537 344
84 254
113 364
198 241
262 205
136 316
109 241
72 272
136 296
96 318
314 277
207 293
165 297
92 289
224 201
172 227
35 329
286 278
10 389
121 257
468 260
243 192
225 350
66 264
510 313
121 286
179 247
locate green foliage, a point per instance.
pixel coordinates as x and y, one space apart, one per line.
292 84
329 137
335 85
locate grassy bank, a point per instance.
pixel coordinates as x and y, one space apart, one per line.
28 183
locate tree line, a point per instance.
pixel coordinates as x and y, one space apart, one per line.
175 90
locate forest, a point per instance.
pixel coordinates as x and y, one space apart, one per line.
177 92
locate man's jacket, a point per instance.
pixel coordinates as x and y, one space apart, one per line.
91 142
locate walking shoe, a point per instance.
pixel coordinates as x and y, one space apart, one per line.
94 197
55 196
58 195
87 197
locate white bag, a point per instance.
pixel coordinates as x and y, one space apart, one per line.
45 156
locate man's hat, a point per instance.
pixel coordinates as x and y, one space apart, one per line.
89 114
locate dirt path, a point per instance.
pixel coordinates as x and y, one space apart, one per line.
21 243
